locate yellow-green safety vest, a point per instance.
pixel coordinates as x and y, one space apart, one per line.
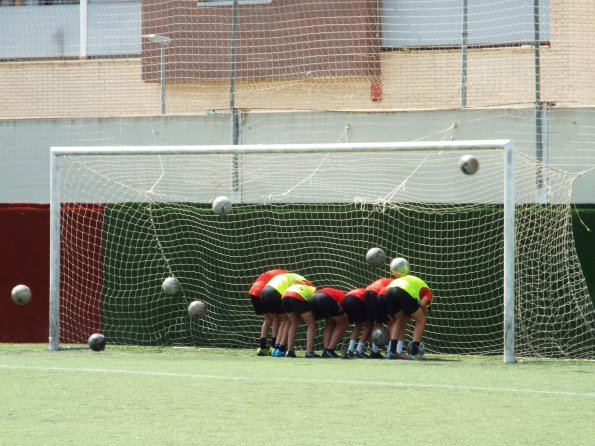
411 284
283 281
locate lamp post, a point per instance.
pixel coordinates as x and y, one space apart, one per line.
163 42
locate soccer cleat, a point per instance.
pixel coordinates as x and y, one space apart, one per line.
311 355
330 354
404 356
273 351
266 351
359 355
290 354
376 355
348 355
390 355
279 354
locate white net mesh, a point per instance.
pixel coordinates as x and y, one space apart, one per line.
130 221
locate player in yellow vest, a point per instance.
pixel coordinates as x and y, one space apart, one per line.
407 297
271 300
295 303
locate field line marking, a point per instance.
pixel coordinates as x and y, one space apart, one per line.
305 381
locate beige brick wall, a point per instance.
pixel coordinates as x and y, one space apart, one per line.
497 77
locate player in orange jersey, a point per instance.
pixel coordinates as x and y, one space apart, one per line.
270 320
376 313
327 304
355 307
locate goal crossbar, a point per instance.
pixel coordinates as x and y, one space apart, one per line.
286 148
507 146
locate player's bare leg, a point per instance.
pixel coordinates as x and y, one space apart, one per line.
275 326
329 326
340 324
420 318
292 324
308 318
283 328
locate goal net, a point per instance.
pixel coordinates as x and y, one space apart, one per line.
126 218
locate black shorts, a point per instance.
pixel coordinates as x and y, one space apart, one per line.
271 300
323 306
370 300
257 305
381 309
398 299
355 309
294 305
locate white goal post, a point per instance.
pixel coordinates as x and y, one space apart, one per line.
124 218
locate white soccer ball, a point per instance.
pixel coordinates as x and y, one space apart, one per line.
468 164
376 257
221 205
21 294
399 267
96 342
171 286
197 309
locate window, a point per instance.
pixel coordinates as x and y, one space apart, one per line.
427 24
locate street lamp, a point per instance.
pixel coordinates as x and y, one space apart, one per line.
163 42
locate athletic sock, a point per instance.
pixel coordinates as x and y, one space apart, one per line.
415 348
375 348
399 347
360 346
393 345
351 345
273 340
263 342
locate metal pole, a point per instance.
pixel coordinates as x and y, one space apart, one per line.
162 75
54 310
83 29
464 58
509 254
233 112
538 105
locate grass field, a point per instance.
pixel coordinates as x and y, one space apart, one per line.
169 396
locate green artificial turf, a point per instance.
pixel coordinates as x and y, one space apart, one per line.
172 396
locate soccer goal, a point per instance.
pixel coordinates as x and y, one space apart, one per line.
496 247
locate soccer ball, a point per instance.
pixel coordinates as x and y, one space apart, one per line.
376 257
21 294
171 286
380 336
197 309
468 164
222 205
399 267
96 342
421 351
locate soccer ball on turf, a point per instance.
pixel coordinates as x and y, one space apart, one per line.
197 309
399 267
468 164
421 351
376 257
380 336
96 342
221 205
21 294
171 286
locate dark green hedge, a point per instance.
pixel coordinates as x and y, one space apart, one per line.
217 258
